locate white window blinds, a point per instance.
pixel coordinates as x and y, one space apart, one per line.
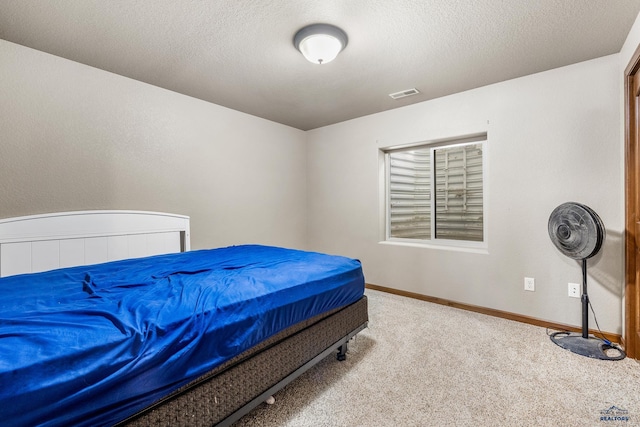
458 183
436 192
410 194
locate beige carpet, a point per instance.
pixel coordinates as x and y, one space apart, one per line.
423 364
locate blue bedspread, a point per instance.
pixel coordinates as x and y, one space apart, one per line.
92 345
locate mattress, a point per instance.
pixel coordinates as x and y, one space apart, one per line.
92 345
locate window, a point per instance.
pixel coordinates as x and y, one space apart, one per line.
434 191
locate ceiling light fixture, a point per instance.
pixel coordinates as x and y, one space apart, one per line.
320 43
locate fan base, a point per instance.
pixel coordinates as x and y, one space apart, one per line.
590 347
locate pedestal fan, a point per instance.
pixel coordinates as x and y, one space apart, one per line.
578 232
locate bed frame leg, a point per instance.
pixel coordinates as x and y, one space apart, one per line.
342 351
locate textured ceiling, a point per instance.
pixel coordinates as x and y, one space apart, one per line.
239 53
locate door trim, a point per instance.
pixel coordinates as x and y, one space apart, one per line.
631 293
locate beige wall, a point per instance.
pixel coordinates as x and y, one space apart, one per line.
78 138
552 137
630 44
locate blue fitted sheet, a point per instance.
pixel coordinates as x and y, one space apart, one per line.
92 345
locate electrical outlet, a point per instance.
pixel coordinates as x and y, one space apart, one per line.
529 284
574 290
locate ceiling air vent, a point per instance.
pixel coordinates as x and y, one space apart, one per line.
404 93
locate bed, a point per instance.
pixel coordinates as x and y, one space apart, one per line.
108 318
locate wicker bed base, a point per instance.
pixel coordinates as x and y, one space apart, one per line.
230 391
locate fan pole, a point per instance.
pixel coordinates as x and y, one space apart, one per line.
585 301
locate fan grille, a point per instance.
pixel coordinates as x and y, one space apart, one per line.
576 230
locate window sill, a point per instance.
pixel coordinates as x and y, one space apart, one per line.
456 247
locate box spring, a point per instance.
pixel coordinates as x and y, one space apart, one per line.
228 392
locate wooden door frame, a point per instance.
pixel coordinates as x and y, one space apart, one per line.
632 237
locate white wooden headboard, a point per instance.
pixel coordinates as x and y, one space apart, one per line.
30 244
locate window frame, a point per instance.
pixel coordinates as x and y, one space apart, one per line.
433 242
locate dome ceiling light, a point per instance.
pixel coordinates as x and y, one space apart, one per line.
320 43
